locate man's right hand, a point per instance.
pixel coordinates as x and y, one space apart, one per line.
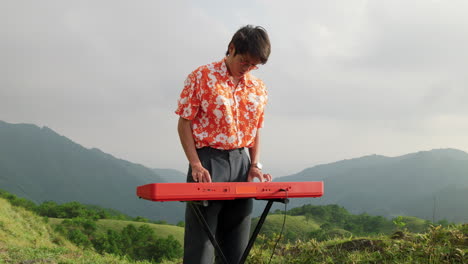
200 174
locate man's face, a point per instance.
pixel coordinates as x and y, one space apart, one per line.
243 63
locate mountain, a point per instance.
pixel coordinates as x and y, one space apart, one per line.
170 175
426 184
40 165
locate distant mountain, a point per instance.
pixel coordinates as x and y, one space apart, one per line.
170 175
40 165
425 184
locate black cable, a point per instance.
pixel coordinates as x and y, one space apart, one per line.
282 228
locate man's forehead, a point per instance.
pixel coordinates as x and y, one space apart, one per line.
251 59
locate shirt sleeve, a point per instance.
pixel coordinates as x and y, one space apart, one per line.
189 100
260 120
265 101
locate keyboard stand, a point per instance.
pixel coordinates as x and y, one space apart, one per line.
252 239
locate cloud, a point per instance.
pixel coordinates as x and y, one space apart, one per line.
347 77
368 59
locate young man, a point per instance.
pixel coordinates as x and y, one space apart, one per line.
221 112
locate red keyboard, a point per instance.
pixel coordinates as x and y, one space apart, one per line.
228 190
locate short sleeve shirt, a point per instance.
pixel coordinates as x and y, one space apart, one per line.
223 116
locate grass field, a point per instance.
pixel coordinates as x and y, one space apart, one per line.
28 238
295 227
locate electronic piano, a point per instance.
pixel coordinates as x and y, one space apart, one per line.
193 192
228 190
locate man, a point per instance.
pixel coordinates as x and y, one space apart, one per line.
221 111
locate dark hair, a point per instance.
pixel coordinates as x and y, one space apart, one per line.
253 41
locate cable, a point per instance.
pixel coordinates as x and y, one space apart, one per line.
282 228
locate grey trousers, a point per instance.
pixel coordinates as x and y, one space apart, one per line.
229 220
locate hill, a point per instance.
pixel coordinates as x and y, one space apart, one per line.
422 184
437 245
170 175
41 165
26 238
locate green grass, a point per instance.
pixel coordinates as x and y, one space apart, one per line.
437 245
26 238
162 231
21 228
62 255
295 227
415 224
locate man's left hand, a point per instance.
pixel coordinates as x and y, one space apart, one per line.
257 173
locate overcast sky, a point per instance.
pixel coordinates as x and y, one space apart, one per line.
345 78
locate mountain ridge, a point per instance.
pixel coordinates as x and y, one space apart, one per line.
40 164
393 185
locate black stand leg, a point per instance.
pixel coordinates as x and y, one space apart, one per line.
258 227
212 238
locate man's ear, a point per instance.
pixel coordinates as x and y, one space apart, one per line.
232 49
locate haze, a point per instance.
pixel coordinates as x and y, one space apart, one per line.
345 78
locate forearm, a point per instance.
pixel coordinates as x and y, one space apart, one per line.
199 174
186 139
254 171
254 151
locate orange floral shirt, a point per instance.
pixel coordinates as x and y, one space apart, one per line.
223 116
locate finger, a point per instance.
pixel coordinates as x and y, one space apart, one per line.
202 177
262 177
207 176
196 176
267 177
259 177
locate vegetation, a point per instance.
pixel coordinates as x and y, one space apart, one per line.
327 222
71 210
79 225
138 243
438 245
161 230
26 237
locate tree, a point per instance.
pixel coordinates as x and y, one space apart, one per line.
165 248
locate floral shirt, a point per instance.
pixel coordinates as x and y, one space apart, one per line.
223 116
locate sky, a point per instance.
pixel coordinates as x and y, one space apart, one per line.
345 78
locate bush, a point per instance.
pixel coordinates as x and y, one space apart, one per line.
16 201
139 244
77 237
